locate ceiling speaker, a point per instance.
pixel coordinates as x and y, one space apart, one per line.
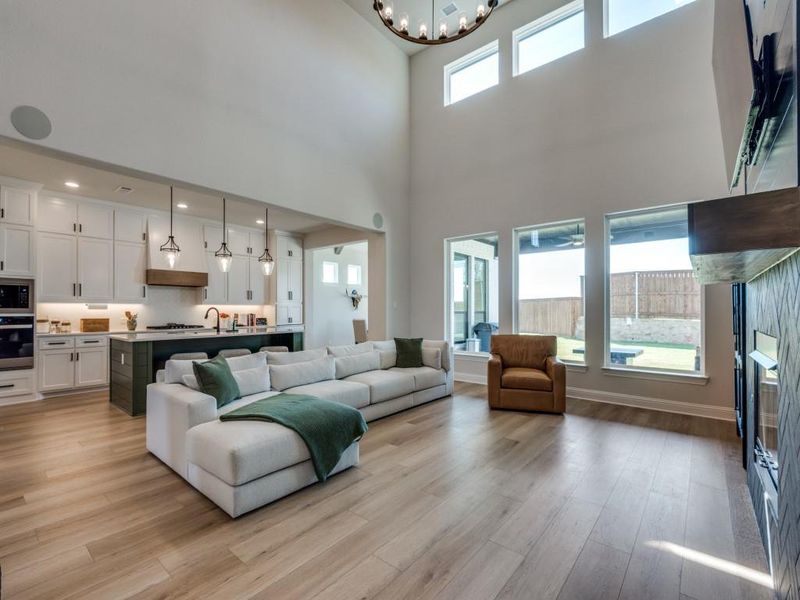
377 220
31 122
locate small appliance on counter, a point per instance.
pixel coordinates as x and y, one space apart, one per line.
261 322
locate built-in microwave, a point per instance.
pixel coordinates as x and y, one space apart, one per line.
16 296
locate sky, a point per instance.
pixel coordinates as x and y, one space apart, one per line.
557 274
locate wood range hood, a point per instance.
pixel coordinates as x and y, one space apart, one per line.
170 278
735 239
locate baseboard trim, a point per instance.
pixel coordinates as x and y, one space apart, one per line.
707 411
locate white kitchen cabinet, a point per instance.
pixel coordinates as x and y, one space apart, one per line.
212 237
217 290
239 241
16 251
58 267
16 383
258 284
95 220
17 205
95 270
288 247
67 362
91 366
239 281
130 227
130 266
295 283
56 370
57 215
288 314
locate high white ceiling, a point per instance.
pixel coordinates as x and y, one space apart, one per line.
418 10
102 184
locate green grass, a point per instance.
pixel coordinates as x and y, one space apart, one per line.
676 357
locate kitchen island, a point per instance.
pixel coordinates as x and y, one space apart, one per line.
136 357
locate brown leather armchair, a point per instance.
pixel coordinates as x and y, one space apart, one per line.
524 374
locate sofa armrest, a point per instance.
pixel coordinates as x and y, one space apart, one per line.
172 410
447 352
493 379
557 372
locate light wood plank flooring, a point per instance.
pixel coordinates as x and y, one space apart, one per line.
451 501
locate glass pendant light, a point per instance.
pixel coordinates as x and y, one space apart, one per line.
170 250
265 260
224 256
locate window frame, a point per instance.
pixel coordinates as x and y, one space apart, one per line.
700 377
541 24
467 61
360 274
516 233
449 285
335 272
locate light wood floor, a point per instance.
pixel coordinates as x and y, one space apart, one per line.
451 501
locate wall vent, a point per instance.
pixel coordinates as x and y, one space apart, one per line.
124 189
450 9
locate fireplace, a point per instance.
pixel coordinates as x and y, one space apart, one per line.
765 404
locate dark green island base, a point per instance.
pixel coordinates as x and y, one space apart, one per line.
135 361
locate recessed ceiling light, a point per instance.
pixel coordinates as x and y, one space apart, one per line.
182 205
72 184
260 222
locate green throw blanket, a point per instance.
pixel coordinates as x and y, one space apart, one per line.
327 428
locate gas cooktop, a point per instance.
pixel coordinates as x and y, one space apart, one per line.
173 326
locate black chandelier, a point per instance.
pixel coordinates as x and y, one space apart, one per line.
399 24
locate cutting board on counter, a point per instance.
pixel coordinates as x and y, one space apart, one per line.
95 325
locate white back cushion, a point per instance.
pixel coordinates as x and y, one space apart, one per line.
288 376
388 352
247 362
176 370
291 358
350 349
432 357
357 363
252 381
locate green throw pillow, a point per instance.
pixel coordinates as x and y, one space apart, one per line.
409 352
215 379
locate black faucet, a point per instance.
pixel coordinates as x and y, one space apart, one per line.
208 311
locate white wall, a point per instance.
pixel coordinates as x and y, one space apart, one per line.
629 122
329 313
302 104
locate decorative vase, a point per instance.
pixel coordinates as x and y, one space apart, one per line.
132 323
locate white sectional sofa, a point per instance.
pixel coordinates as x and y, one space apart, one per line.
242 465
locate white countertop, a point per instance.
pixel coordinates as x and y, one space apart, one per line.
93 333
183 334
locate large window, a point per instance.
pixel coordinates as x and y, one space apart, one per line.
624 14
551 37
550 285
472 74
473 294
654 299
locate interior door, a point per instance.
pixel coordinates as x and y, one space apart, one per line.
461 299
95 270
58 268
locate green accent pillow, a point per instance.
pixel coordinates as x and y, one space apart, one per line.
216 379
409 352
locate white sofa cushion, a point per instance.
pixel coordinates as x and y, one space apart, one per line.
344 392
432 357
292 375
388 353
176 369
357 363
424 377
384 385
291 358
250 381
240 451
350 349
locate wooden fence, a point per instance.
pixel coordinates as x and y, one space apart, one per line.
643 295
